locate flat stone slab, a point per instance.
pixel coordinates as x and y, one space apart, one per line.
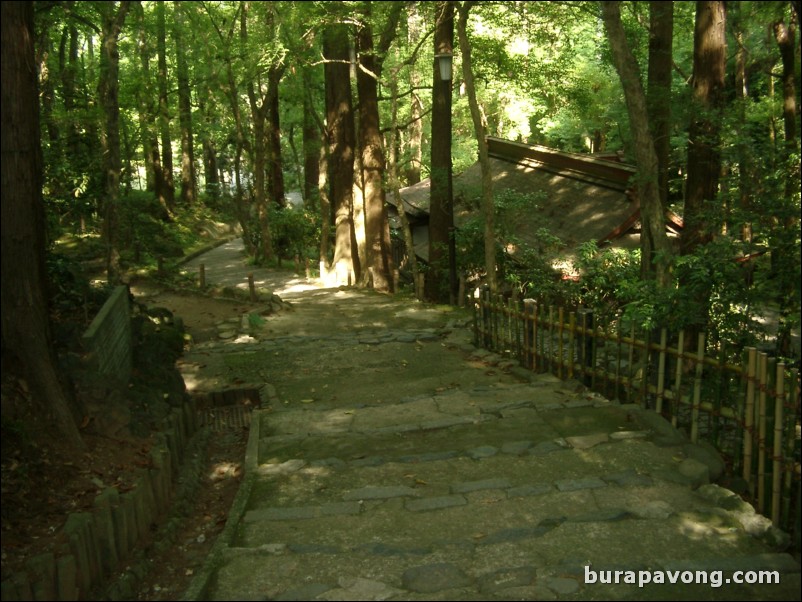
431 578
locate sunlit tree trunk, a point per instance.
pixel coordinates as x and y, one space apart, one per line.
341 137
377 228
655 247
26 331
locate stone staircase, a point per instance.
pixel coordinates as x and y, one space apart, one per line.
468 483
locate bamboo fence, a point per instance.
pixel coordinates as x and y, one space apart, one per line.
745 403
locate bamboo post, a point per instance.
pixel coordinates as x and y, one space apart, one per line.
571 343
560 359
202 275
160 266
631 360
486 318
761 439
475 308
661 371
678 379
790 443
697 388
461 293
550 356
535 336
644 381
777 463
586 318
252 288
618 340
749 413
529 306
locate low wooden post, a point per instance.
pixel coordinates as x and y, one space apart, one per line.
252 288
160 264
697 388
203 275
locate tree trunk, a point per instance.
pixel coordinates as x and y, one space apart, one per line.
258 105
275 163
655 246
785 251
395 186
341 136
164 110
108 90
661 37
26 330
377 228
704 155
189 181
480 127
311 143
441 215
147 118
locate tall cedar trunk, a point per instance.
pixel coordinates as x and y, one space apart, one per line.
189 181
704 155
275 163
147 118
377 228
480 127
311 143
210 175
26 331
661 36
341 138
412 169
164 109
746 163
655 246
108 90
785 253
441 217
258 105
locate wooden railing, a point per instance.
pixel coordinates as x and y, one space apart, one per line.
747 404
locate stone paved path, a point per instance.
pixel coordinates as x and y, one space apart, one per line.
391 460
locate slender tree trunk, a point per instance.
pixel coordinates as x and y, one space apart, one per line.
704 154
395 186
164 110
656 250
211 176
311 143
341 136
480 127
108 90
147 118
441 215
26 330
785 252
275 163
661 37
189 181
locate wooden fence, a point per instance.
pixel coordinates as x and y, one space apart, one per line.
747 405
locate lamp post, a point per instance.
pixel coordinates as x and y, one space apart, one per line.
445 62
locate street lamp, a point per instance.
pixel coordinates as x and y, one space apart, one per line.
444 61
